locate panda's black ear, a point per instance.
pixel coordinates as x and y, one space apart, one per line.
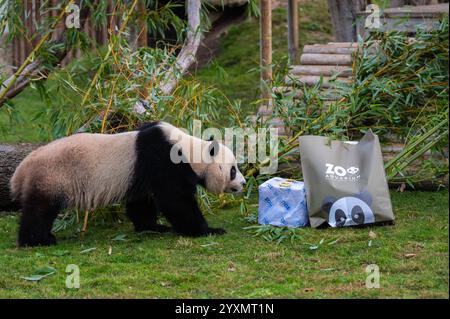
211 138
327 203
214 148
365 197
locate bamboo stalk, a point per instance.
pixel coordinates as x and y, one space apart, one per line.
108 53
105 116
418 154
85 222
411 147
266 49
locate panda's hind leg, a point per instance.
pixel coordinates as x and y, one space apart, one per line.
143 213
38 214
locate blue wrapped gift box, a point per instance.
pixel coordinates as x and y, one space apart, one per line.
282 202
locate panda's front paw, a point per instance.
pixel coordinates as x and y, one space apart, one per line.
215 231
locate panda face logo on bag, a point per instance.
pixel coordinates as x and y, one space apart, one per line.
349 211
353 170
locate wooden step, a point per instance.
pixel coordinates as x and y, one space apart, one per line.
328 49
282 89
311 80
288 90
330 95
325 70
327 95
326 59
273 122
265 110
344 44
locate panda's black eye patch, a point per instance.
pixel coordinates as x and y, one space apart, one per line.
214 148
340 217
358 214
233 173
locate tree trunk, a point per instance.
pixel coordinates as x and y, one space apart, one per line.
343 17
188 51
10 157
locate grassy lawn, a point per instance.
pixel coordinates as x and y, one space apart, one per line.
412 257
27 104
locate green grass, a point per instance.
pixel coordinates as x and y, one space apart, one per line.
25 129
239 265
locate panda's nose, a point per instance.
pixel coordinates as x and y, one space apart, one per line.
243 183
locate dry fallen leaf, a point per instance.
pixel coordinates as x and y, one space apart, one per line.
410 255
372 235
402 187
308 289
314 260
231 267
110 250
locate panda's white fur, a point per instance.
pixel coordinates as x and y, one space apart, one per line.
215 170
87 171
79 167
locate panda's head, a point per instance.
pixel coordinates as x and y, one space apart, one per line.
349 211
212 161
222 174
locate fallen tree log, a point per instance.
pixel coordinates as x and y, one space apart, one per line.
12 154
10 157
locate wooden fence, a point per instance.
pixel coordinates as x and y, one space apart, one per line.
35 11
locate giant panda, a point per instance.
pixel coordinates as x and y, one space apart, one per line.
151 169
